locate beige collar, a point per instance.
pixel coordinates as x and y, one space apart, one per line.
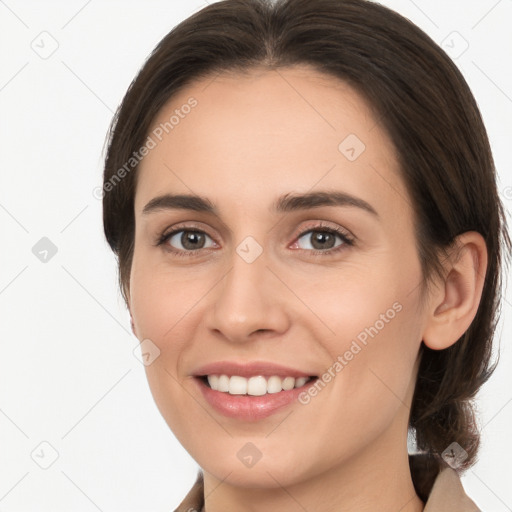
448 495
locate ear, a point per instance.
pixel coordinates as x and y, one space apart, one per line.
454 303
133 325
131 322
127 298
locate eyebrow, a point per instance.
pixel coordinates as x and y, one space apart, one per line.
284 204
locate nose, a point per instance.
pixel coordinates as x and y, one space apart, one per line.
249 301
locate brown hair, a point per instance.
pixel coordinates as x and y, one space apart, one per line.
426 107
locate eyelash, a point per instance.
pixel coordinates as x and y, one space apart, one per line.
346 239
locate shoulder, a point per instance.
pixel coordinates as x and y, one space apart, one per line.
448 494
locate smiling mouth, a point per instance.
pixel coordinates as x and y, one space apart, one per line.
254 386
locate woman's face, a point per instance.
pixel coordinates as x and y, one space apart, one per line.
260 287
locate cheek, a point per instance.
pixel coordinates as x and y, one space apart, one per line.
370 377
162 300
162 306
378 359
375 334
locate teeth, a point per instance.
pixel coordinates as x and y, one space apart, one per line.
301 381
274 385
254 386
288 383
223 384
237 385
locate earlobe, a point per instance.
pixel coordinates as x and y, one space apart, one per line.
455 301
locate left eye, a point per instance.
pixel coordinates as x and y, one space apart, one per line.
322 239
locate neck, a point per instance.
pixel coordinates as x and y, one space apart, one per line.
377 479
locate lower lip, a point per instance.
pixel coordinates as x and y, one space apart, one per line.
247 407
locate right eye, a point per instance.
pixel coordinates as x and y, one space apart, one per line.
182 241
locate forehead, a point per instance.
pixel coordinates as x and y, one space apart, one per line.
268 132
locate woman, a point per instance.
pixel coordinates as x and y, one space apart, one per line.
303 203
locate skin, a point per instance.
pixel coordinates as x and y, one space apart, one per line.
251 139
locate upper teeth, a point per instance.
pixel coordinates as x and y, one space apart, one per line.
255 386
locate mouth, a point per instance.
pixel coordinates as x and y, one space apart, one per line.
250 390
252 397
257 385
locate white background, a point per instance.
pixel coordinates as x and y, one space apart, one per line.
68 374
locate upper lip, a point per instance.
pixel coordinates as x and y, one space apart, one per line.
249 369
